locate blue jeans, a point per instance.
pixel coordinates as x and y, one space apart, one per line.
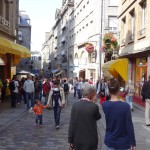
29 96
57 111
129 100
75 91
37 96
79 94
38 118
111 148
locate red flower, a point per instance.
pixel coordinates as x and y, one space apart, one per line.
113 39
89 47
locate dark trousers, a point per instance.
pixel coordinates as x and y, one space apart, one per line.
37 96
29 96
79 94
75 91
18 98
24 97
38 119
13 99
57 111
3 94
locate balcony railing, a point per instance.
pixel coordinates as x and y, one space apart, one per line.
142 32
123 42
112 29
4 22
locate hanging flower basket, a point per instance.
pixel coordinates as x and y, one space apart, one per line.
89 48
110 43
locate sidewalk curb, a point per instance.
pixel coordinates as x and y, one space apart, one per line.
10 122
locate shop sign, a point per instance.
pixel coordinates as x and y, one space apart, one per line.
13 71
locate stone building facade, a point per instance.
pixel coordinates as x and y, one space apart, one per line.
134 19
79 22
10 52
24 38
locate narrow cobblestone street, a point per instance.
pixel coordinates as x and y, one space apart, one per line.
23 135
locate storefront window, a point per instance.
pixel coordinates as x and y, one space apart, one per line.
140 74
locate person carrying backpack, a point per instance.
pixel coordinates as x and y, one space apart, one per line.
65 86
56 100
13 86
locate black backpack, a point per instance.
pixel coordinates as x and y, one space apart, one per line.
55 97
12 86
66 87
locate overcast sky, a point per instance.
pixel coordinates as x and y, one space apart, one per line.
42 15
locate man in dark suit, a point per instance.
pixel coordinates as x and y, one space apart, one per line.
84 115
146 98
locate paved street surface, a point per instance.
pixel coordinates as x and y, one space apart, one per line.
17 130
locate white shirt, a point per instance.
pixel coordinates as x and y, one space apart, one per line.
75 83
79 85
16 86
28 86
51 84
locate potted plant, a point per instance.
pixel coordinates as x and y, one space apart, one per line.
110 43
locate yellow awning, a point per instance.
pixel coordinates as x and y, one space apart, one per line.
115 67
7 46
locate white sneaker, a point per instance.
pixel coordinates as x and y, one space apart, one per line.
57 127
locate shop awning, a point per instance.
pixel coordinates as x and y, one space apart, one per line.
1 62
115 67
23 72
7 46
55 70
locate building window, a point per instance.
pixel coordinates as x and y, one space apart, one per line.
87 24
132 14
143 5
87 2
123 30
7 10
1 8
91 21
20 35
112 23
84 6
113 2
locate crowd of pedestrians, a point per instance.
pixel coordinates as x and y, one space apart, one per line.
82 133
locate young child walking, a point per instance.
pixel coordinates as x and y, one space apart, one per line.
38 110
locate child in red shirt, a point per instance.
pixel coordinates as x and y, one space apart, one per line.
38 110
